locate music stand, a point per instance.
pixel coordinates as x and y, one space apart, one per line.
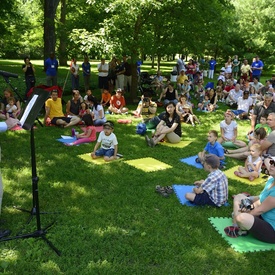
34 106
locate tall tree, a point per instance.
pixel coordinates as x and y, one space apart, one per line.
50 7
62 52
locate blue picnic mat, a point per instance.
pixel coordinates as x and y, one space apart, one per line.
191 161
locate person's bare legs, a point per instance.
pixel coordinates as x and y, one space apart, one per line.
74 120
240 156
239 150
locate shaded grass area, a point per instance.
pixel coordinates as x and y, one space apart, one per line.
110 220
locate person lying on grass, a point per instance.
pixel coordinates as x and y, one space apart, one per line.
214 189
169 127
255 214
107 142
212 147
253 164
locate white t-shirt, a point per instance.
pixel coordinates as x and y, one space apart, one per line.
107 142
96 112
76 69
103 67
244 104
229 129
235 94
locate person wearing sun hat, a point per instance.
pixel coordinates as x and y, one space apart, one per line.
214 189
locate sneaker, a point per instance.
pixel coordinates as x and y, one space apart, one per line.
152 143
147 139
234 232
119 155
107 113
197 160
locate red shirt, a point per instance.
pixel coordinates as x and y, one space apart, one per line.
117 102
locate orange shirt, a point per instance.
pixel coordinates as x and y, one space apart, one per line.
105 97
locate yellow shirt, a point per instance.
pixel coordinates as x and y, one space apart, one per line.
245 68
55 108
181 78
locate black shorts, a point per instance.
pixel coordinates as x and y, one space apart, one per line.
103 82
203 199
262 230
66 119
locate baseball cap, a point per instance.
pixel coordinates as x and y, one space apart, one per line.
109 124
212 160
119 90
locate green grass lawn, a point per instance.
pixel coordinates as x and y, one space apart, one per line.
110 220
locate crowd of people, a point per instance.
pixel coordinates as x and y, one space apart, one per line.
238 86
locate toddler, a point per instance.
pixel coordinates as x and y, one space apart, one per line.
11 108
253 164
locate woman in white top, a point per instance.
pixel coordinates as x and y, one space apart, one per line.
228 66
97 111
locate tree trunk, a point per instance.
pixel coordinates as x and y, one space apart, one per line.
62 54
159 58
50 7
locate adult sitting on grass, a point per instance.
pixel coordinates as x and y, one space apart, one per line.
74 105
214 189
168 128
97 111
53 107
212 147
8 124
169 94
255 214
117 103
146 107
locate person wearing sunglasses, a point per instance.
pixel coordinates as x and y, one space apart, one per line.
255 214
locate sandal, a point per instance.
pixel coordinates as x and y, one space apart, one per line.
225 151
169 189
161 191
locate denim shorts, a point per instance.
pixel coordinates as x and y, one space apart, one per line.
105 152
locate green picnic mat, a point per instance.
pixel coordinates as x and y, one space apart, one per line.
240 244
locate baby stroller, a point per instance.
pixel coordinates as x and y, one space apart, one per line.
144 84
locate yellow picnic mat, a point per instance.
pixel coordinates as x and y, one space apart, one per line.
148 164
180 144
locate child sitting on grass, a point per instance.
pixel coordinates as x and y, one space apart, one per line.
228 128
89 134
11 108
214 189
212 147
253 164
262 124
108 143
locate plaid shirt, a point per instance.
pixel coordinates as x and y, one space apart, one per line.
216 185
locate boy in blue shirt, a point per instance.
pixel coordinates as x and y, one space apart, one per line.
212 147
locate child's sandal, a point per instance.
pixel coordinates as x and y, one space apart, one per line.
161 191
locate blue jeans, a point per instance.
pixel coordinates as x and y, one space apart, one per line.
105 152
